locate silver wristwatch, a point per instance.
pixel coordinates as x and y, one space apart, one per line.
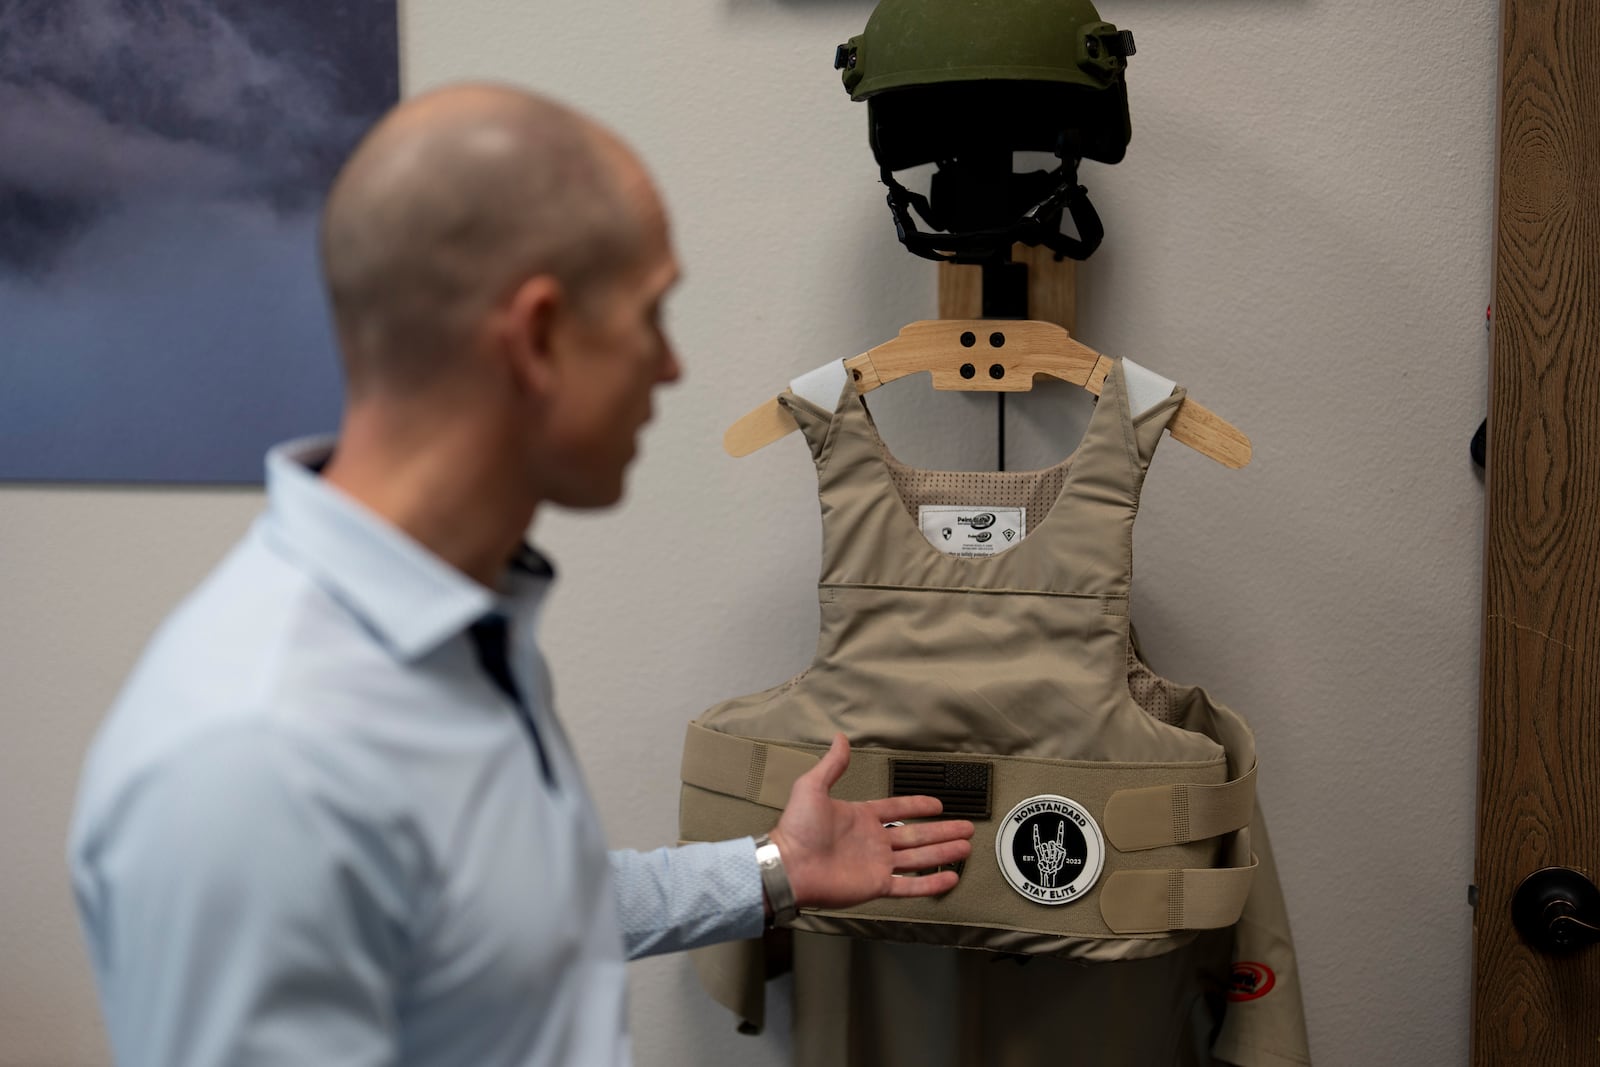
775 880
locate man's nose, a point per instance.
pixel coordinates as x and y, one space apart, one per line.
671 370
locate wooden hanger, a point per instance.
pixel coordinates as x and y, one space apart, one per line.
953 349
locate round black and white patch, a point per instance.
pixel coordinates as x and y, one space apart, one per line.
1050 849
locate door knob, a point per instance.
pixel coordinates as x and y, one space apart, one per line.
1557 910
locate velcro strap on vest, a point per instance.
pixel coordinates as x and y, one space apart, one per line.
1138 819
739 767
1146 902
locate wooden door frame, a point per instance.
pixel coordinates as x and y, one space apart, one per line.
1539 731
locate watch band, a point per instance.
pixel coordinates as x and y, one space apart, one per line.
775 880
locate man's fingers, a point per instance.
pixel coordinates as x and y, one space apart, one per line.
893 809
929 833
923 885
831 767
921 859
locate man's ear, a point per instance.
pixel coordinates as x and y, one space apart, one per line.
531 334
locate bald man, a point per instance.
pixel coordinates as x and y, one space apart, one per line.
332 817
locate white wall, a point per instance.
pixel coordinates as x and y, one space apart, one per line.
1300 233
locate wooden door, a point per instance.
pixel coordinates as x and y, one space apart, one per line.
1539 741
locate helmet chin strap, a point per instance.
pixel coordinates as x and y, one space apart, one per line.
1038 225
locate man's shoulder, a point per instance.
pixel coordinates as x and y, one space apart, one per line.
226 647
224 664
242 809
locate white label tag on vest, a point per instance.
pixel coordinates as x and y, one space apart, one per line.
972 531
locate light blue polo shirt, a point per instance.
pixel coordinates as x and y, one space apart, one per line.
313 829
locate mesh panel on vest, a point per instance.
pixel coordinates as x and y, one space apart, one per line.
1035 490
1150 691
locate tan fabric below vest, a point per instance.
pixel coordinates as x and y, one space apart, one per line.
1012 685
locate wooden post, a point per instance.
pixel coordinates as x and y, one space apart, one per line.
1052 288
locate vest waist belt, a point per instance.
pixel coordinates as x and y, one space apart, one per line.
1177 855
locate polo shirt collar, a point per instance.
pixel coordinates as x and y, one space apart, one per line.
413 600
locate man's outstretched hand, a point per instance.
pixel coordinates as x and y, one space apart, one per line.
838 853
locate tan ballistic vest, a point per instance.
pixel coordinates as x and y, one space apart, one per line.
1115 811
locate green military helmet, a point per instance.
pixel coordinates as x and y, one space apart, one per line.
964 84
927 42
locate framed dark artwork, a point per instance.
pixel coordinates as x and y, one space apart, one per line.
162 166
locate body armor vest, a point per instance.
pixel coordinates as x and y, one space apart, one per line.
1113 809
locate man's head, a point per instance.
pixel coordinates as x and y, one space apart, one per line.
496 262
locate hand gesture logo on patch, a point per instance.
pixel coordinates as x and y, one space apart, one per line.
1052 855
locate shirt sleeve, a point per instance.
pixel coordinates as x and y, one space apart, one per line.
674 899
234 918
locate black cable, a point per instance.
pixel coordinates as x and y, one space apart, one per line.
1000 436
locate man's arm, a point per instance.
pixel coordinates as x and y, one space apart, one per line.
233 920
836 853
674 899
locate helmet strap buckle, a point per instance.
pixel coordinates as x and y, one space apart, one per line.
1039 224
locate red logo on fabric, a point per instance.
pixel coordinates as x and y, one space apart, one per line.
1250 981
